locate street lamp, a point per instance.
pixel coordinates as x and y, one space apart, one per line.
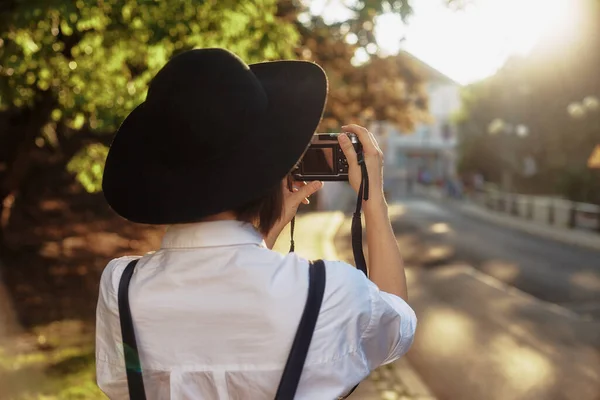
591 103
578 110
522 131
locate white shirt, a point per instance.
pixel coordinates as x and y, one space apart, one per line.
215 313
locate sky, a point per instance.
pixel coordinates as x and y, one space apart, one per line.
468 44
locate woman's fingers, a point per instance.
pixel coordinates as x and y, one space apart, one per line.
306 191
301 191
367 140
348 149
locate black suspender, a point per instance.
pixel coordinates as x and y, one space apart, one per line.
135 382
293 367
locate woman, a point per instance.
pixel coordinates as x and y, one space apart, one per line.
214 309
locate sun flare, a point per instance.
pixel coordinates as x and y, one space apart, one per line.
470 43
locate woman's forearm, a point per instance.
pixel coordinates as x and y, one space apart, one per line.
386 268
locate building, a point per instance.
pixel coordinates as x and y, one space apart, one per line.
427 154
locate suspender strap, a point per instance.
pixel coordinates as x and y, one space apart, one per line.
135 382
295 363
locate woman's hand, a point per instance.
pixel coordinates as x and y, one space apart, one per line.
300 193
373 159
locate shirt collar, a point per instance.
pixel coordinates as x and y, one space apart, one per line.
211 234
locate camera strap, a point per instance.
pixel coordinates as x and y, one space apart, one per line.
292 244
290 184
356 231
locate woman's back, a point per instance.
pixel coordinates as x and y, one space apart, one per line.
215 313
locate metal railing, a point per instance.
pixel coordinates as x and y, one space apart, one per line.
549 210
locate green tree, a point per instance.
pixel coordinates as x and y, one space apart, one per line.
384 88
75 68
537 91
71 70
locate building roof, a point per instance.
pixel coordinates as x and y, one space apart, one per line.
430 72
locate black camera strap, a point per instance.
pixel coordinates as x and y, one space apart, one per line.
290 185
356 231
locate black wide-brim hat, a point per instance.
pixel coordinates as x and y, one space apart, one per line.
212 135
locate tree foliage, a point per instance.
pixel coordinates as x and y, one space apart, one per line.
551 92
385 88
97 57
71 70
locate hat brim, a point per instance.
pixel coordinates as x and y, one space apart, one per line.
142 190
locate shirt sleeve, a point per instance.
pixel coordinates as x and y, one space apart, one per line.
385 322
391 328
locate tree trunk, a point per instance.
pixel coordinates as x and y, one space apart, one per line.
8 317
20 142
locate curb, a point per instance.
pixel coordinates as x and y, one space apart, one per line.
412 381
560 235
566 236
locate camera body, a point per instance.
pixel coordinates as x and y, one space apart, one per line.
324 159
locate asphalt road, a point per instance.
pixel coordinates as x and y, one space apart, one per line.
502 314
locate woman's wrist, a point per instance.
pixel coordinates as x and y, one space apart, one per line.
375 206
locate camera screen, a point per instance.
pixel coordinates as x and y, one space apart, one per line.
318 161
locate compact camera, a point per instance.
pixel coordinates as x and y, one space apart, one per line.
324 159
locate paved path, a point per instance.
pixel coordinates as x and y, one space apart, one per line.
503 315
552 271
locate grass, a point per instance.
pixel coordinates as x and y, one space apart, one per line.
55 362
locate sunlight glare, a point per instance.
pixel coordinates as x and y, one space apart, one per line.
472 43
440 227
446 331
525 368
467 44
360 57
396 210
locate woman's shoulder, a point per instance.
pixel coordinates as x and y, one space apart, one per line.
113 271
342 279
345 282
336 271
344 272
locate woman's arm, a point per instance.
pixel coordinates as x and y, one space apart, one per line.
386 268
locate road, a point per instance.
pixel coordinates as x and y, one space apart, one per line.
502 315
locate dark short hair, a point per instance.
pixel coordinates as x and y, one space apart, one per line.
264 211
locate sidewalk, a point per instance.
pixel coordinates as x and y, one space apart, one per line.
314 239
568 236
